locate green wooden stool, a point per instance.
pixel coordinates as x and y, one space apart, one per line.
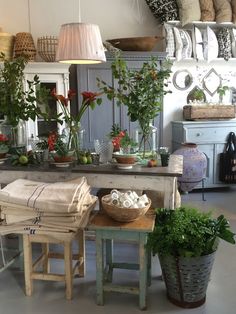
108 230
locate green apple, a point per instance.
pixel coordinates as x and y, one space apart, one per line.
83 160
89 159
23 159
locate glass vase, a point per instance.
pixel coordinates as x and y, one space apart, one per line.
16 134
104 149
147 140
74 136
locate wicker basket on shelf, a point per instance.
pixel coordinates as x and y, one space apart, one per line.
46 47
7 44
123 214
24 46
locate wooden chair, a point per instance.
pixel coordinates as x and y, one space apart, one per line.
31 268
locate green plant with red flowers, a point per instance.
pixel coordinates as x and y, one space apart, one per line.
121 139
58 148
90 100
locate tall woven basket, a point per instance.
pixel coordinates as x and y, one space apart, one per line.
24 46
46 48
186 278
7 45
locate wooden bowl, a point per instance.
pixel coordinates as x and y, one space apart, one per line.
123 214
135 43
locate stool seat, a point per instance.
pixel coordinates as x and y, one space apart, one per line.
31 268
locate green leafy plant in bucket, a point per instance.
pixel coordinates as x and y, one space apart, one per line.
188 232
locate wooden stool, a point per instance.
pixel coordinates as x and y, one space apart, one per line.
31 267
108 230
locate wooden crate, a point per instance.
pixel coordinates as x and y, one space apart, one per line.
208 112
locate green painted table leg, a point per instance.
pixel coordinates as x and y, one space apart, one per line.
143 260
149 267
109 260
99 268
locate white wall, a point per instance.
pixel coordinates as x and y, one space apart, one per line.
174 102
116 18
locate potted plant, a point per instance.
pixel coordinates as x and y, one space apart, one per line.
18 104
141 90
196 95
121 140
186 240
59 149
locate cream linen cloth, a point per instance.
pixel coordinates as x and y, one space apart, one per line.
49 197
11 213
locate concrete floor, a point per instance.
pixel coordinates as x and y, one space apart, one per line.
49 297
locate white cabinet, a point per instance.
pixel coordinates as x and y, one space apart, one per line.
210 136
51 75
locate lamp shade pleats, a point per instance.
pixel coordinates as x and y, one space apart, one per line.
80 43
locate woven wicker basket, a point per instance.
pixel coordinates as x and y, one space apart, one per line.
122 214
24 46
46 47
7 45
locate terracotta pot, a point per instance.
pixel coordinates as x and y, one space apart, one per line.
3 155
194 166
62 158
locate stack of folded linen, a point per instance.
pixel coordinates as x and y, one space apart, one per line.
32 207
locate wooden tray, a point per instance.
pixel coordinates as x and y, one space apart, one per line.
208 112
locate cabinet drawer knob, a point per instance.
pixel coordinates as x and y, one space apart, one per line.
199 134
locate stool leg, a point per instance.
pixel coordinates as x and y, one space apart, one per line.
143 261
28 265
109 259
81 242
46 264
99 267
68 269
149 267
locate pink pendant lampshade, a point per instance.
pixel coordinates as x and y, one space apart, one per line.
80 43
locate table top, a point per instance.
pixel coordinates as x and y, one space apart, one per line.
174 169
101 221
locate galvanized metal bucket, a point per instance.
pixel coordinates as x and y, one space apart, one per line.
186 278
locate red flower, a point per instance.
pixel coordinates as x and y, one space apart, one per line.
63 99
89 96
122 133
71 93
3 138
52 138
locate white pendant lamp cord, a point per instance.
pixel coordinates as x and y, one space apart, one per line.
136 8
79 2
29 18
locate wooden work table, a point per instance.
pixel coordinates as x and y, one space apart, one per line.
163 179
